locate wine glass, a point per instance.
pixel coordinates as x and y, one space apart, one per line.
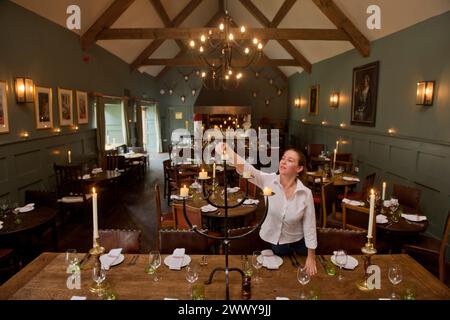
192 272
257 262
98 275
154 261
304 278
340 258
71 260
395 277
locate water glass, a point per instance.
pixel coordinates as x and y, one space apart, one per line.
192 273
341 260
304 278
98 275
71 260
257 262
154 261
395 277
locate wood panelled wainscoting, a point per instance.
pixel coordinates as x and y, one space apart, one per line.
423 164
28 164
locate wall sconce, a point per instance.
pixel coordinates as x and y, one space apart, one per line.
193 92
24 88
324 123
342 125
183 99
334 99
24 135
297 102
57 130
425 93
304 120
391 131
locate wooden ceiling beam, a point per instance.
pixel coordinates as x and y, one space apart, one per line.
152 47
106 20
282 12
238 63
340 20
305 64
250 33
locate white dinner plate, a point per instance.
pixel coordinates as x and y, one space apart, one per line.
25 209
119 259
278 261
351 264
186 260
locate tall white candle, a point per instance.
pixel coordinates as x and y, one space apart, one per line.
94 214
334 159
371 214
69 156
383 193
214 170
337 146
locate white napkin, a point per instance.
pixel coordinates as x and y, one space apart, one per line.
249 201
69 199
26 208
338 171
233 190
351 264
351 178
270 260
282 298
196 185
208 208
177 259
86 176
414 217
171 299
112 256
219 168
381 218
317 180
97 170
1 225
78 298
310 172
177 197
353 202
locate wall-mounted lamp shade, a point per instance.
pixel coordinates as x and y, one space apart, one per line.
297 102
24 88
334 100
425 93
178 115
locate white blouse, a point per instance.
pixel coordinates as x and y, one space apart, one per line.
287 221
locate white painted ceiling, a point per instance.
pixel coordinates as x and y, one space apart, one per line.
395 15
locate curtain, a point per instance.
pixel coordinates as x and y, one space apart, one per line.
140 130
100 107
158 129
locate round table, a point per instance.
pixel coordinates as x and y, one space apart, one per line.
338 180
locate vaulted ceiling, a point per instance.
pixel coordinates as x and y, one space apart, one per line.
347 17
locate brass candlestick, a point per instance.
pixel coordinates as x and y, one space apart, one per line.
368 250
96 252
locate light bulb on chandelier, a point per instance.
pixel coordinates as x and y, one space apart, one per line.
225 53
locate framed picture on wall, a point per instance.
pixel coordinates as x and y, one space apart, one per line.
65 107
43 107
4 121
82 107
314 99
364 94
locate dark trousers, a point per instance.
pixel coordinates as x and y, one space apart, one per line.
298 247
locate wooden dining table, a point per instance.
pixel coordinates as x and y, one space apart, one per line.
342 180
45 279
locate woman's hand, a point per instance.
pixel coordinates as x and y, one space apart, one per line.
310 263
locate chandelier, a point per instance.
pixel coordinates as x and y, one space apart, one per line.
225 54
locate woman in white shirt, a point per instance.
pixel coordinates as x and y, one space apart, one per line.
290 225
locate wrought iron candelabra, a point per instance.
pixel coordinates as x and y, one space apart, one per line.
226 238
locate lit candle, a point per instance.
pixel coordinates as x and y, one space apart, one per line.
69 156
94 215
383 193
184 192
371 214
203 175
267 191
246 174
337 146
214 170
334 159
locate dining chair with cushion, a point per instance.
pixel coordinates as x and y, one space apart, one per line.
331 239
328 204
252 188
194 243
344 160
164 220
431 252
194 215
128 240
364 193
314 149
41 198
408 198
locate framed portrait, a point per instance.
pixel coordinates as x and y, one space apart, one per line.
43 107
65 106
4 121
364 94
82 107
314 99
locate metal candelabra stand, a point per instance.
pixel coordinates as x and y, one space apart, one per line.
226 238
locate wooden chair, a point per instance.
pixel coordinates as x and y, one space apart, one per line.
193 242
252 188
115 162
430 252
408 198
166 167
41 198
8 263
194 215
344 160
247 244
128 240
331 239
361 196
164 220
357 218
314 150
328 203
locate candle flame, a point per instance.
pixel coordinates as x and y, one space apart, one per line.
93 190
372 192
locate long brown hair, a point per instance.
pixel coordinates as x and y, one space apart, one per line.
301 162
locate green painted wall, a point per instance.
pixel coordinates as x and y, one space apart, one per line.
51 55
419 152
